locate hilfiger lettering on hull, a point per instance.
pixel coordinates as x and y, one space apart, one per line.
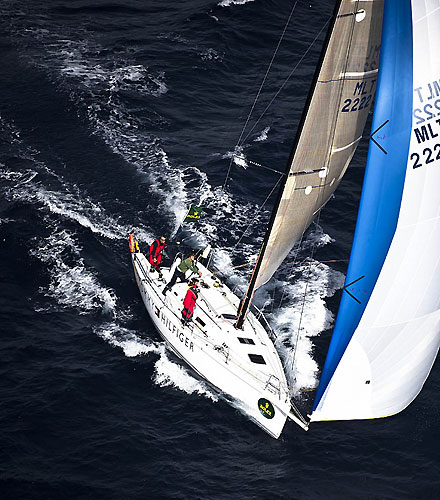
242 365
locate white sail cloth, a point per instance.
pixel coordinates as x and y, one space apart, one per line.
395 344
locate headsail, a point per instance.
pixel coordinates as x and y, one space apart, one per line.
330 130
387 332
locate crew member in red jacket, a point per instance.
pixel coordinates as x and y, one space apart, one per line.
156 249
189 302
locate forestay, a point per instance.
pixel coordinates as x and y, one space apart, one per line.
331 128
387 332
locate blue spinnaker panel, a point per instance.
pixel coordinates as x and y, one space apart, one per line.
383 182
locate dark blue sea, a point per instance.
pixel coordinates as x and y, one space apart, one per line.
115 117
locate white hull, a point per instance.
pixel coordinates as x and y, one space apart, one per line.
210 345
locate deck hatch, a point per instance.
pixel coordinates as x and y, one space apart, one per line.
243 340
199 320
257 358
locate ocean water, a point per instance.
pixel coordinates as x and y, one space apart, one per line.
115 116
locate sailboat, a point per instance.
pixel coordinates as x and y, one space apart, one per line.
387 331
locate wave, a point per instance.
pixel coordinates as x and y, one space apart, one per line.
68 202
303 314
126 339
204 53
294 301
237 156
167 373
5 220
82 61
211 55
103 95
18 178
228 3
103 85
171 374
263 135
99 90
72 284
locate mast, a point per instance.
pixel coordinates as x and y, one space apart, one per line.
247 299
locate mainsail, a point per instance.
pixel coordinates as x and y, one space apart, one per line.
330 130
387 332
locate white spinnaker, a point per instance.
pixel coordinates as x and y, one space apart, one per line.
396 342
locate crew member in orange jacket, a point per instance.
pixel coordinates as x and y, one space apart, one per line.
189 301
156 249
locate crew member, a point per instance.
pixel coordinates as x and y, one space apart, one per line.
156 249
186 265
189 302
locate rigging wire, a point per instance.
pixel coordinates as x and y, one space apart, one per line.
299 263
293 361
260 89
265 110
298 245
285 81
318 261
267 168
322 194
258 211
299 414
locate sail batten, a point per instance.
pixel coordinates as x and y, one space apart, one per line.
342 148
355 74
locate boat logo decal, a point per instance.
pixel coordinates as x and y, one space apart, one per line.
266 408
